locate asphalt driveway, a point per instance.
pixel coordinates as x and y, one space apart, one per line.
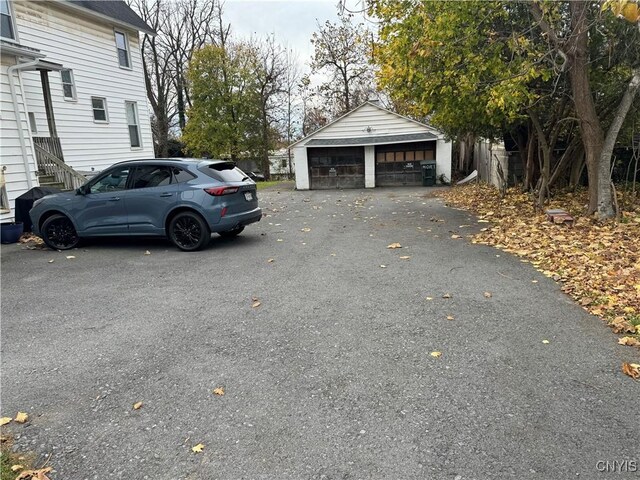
332 375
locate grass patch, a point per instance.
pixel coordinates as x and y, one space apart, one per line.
273 183
8 459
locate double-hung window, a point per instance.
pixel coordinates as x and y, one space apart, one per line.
122 45
134 126
6 21
99 106
68 85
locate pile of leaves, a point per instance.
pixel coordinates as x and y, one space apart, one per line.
598 264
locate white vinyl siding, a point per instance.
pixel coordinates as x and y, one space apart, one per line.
122 47
87 46
380 122
11 152
132 121
68 85
99 107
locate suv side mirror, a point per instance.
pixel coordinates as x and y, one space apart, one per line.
81 190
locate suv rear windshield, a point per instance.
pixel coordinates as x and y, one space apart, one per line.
224 172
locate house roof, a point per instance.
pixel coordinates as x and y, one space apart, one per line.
429 134
116 10
341 142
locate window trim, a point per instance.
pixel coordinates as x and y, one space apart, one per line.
33 124
127 44
106 110
137 119
73 86
14 28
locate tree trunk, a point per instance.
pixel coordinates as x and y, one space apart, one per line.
605 205
590 129
530 166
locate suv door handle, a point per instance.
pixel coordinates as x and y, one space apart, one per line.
166 194
114 199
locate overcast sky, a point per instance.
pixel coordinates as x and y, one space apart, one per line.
291 21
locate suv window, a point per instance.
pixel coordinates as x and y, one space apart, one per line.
147 176
113 181
224 172
181 176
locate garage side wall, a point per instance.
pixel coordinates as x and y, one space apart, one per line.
443 159
301 167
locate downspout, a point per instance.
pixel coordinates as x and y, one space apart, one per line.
14 98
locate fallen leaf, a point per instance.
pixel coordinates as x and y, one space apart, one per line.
620 325
256 303
436 354
545 341
631 369
405 257
450 317
198 448
21 417
333 254
51 261
16 467
271 260
429 298
39 474
147 252
629 341
5 420
383 266
71 257
446 295
488 294
394 245
534 281
279 240
305 229
136 406
455 236
218 391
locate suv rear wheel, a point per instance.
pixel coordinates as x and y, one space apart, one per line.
189 232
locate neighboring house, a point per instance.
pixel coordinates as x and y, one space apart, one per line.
73 94
279 164
369 147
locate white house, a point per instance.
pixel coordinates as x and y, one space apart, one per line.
72 91
370 147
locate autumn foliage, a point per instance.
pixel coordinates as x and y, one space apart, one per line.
598 264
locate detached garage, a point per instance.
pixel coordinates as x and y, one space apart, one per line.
370 147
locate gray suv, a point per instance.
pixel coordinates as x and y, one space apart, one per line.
183 199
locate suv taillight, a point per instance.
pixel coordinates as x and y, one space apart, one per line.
217 191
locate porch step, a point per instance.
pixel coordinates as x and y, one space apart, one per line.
58 185
46 179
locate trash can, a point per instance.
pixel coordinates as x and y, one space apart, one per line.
24 203
428 173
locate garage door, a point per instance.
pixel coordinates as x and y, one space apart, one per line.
339 167
400 164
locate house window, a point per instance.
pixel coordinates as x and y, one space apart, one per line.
32 124
99 106
123 50
6 22
132 121
68 85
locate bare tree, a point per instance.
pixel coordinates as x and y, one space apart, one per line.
342 53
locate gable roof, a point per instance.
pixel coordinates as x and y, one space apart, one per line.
426 131
116 10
